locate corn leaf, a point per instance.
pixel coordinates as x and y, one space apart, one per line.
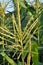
35 53
8 58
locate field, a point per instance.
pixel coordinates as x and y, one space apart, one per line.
21 34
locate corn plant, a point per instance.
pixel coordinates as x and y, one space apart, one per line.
20 33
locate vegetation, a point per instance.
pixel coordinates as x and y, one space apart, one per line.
21 34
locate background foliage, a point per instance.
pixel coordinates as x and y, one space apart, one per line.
21 34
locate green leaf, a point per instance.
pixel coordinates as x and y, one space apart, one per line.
8 58
20 63
22 3
35 53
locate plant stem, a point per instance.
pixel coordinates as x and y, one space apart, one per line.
29 55
18 15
